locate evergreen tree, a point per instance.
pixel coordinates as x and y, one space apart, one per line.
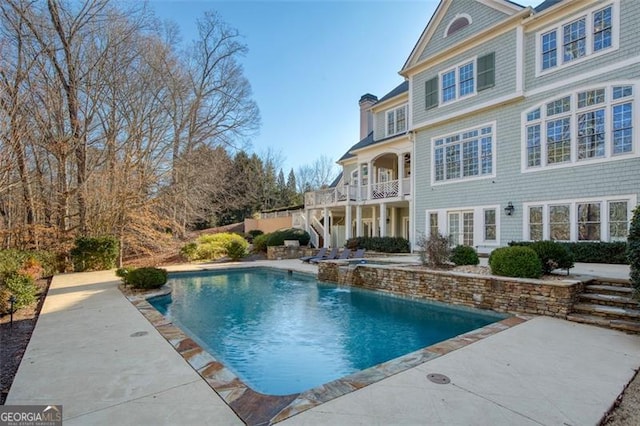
292 189
282 198
633 250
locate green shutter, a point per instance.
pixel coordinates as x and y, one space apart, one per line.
486 71
431 93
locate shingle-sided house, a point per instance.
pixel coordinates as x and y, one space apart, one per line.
513 123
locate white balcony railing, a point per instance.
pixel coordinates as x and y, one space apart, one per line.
379 191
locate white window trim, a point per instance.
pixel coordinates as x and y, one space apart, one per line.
478 223
395 120
494 162
558 27
455 18
355 177
607 105
631 199
456 68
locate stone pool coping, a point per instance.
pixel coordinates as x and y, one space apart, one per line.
255 408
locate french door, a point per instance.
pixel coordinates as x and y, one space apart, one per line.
461 228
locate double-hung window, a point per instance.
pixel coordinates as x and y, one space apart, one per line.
397 120
594 124
605 219
458 82
581 36
465 155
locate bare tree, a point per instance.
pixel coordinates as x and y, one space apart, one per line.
317 175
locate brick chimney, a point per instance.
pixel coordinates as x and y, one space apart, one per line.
366 116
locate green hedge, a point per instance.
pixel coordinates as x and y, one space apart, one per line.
519 262
13 260
552 255
633 250
379 244
464 255
22 287
143 278
277 238
591 252
94 253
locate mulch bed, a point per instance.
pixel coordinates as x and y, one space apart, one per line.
15 337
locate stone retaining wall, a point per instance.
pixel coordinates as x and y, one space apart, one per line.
501 294
289 252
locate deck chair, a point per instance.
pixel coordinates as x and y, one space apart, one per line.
345 254
359 254
321 253
332 255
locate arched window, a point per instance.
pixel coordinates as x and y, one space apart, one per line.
457 23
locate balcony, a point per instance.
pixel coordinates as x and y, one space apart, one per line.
341 194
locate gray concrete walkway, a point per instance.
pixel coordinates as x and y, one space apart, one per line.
93 352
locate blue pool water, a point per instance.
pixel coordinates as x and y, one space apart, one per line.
284 333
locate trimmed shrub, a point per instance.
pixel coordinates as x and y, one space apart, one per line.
22 287
379 244
277 238
633 250
598 252
188 251
552 255
123 273
253 234
236 250
434 251
146 278
464 255
520 262
590 251
94 253
260 243
216 246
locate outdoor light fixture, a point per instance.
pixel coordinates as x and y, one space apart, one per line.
509 209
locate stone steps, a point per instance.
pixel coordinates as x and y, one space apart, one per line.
608 289
617 324
621 301
613 312
608 303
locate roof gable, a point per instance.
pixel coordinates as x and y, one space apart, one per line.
480 14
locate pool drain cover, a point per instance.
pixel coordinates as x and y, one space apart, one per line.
139 333
440 379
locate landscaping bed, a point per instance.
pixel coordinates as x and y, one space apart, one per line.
15 337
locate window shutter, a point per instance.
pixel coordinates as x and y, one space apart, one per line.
486 71
431 93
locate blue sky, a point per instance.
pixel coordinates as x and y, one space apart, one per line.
309 62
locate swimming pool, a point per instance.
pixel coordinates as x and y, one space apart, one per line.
284 333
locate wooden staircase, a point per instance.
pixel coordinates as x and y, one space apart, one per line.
608 303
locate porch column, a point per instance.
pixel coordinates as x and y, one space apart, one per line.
307 220
359 221
347 219
383 220
375 232
369 180
325 234
394 223
400 174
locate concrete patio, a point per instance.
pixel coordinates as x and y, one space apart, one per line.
93 352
